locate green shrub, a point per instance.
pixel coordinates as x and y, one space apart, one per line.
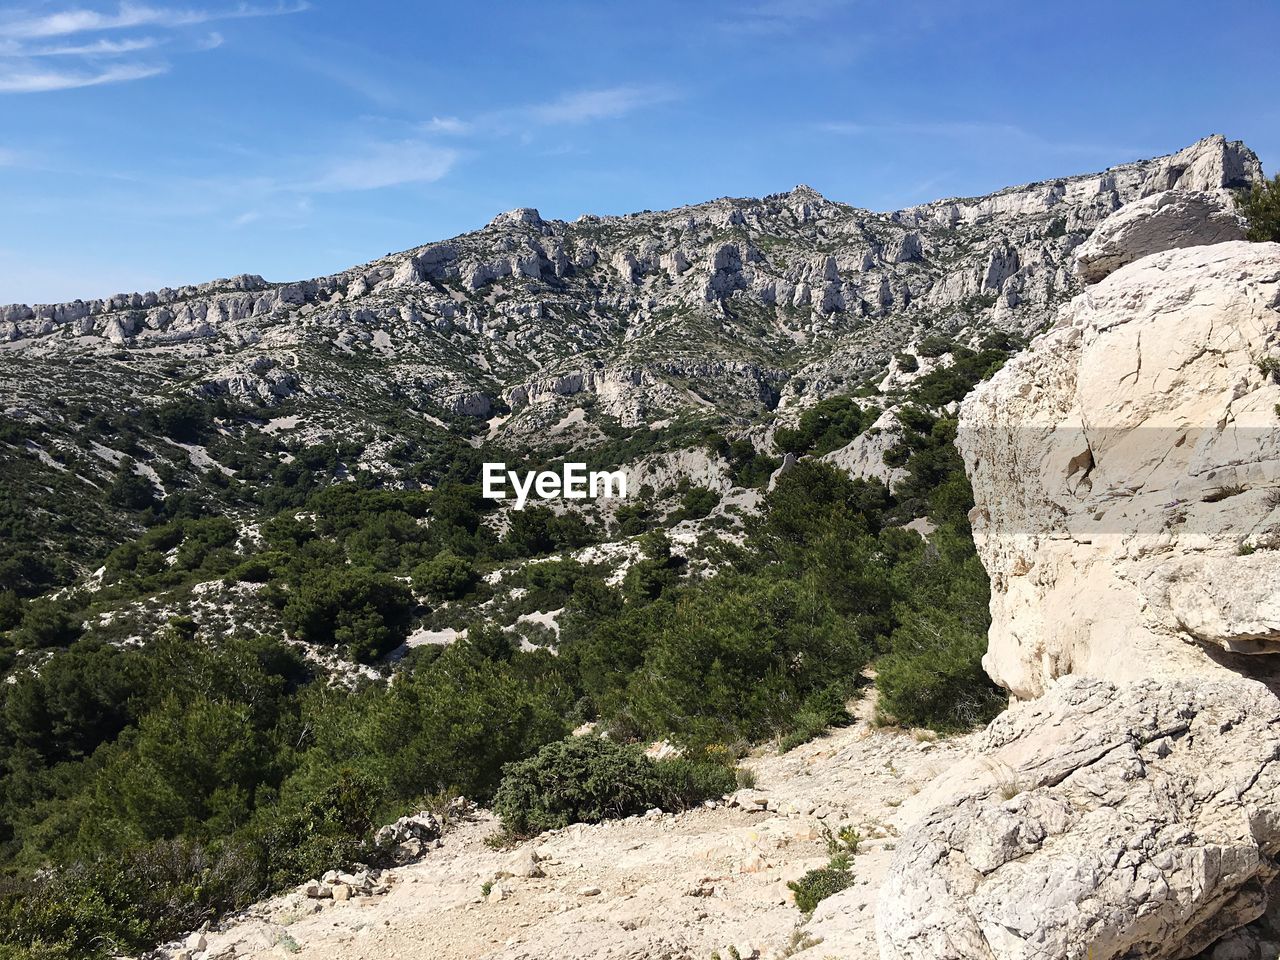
934 346
107 906
260 568
47 623
686 783
578 780
327 831
1260 206
814 718
445 577
590 779
366 612
827 425
697 502
816 885
934 676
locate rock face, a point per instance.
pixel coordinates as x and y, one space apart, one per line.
1099 822
1163 221
1126 476
1126 471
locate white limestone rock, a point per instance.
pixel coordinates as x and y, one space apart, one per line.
1162 221
1099 822
1126 471
863 457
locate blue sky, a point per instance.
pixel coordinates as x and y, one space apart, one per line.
153 143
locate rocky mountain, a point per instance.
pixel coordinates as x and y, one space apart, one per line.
1126 805
539 333
749 303
251 598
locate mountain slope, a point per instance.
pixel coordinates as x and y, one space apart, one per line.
726 310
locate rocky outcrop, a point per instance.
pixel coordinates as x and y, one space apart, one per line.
1126 471
1126 476
864 456
1099 822
1163 221
1214 165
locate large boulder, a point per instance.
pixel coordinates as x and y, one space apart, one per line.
1126 474
1162 221
1099 822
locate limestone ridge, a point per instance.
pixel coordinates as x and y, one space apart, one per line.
745 304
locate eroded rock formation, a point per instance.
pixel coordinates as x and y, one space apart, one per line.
1162 221
1126 470
1098 822
1126 474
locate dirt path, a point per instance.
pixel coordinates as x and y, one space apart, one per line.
671 886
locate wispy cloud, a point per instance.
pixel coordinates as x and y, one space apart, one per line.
384 165
772 17
586 105
571 108
448 125
99 48
42 81
132 15
26 42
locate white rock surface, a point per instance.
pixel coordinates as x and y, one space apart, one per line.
1099 822
863 457
1162 221
1126 470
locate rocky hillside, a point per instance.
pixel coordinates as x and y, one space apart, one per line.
1125 806
255 604
532 332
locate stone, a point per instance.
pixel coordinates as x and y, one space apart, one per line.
863 457
1162 221
524 863
1125 470
1063 833
196 942
589 891
422 826
786 466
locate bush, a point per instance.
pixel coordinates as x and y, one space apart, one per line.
590 779
1260 206
697 502
827 425
816 885
686 783
934 677
367 612
130 490
445 577
330 830
47 624
578 780
150 894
